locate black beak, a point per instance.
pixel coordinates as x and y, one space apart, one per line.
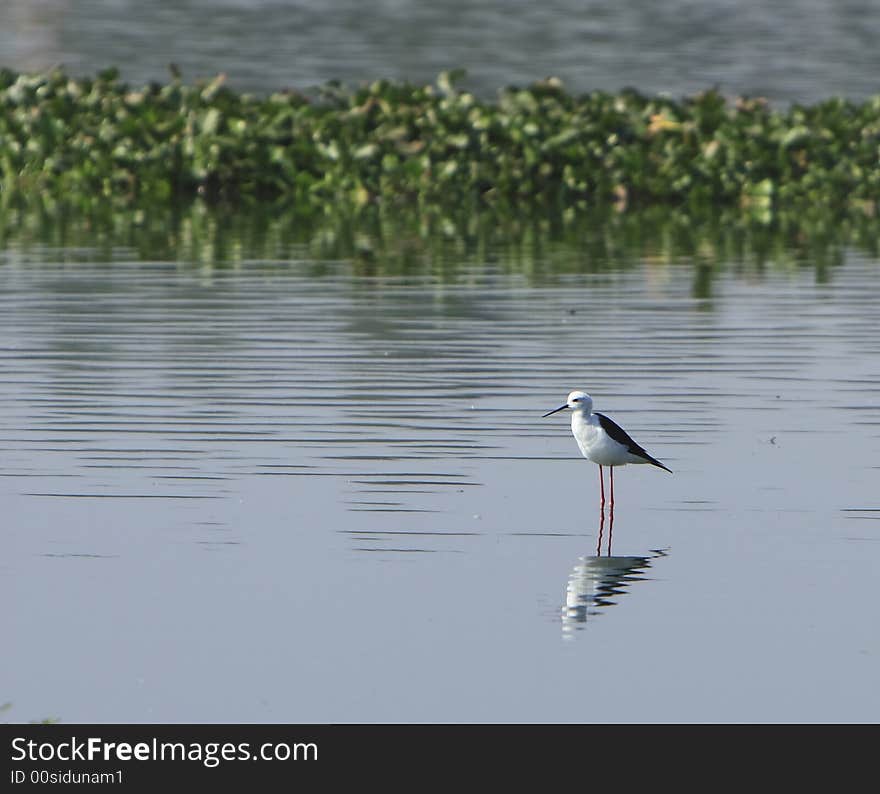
555 411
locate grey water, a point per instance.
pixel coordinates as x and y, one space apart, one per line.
789 51
257 486
292 491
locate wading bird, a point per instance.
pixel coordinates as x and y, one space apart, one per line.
601 440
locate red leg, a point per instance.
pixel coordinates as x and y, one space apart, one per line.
611 470
601 489
610 527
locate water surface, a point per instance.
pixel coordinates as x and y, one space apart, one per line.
286 490
790 51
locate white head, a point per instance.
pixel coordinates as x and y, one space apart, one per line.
580 401
577 401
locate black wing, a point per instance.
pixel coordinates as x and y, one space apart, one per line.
622 437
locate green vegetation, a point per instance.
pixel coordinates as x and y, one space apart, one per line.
437 148
398 179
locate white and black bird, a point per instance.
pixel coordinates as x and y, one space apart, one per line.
601 440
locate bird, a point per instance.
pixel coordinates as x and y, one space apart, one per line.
602 441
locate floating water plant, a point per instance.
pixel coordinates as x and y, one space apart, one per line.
394 144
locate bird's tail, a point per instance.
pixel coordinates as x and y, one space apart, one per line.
658 464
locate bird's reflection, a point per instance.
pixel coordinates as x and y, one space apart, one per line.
596 581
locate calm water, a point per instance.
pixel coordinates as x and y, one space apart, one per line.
791 50
282 491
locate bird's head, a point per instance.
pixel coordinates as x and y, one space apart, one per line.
577 401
